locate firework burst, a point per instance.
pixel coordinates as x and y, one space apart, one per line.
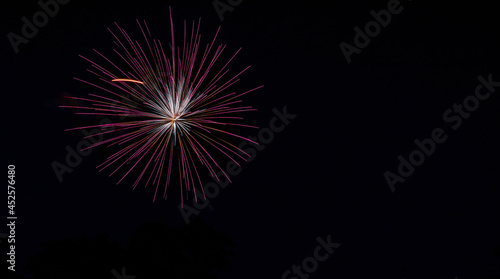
175 110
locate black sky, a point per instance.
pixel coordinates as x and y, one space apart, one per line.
322 175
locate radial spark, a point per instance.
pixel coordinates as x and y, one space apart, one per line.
170 109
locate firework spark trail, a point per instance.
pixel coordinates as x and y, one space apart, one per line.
176 113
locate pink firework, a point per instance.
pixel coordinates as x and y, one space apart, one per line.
179 109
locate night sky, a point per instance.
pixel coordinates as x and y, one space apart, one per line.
388 147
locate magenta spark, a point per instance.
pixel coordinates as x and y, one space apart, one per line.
176 113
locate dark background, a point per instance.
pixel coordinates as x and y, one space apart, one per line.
323 175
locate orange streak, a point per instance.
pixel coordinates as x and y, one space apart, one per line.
127 80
